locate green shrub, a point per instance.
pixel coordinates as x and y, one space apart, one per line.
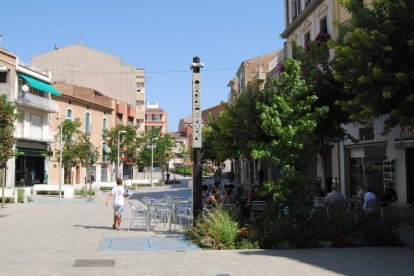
20 195
215 229
84 191
340 227
184 170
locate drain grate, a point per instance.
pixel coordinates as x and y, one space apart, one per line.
94 263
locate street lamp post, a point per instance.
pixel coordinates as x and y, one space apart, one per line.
117 160
152 158
174 167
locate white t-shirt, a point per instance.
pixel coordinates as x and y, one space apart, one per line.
368 196
118 195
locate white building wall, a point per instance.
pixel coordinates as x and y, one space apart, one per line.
400 185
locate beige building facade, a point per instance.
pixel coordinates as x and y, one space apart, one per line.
156 118
95 111
86 67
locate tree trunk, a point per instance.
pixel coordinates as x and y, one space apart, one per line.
2 187
90 183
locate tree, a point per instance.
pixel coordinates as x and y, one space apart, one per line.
7 118
70 134
140 157
234 133
318 72
127 144
375 62
163 152
87 154
290 119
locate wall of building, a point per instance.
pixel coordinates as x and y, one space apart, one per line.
91 68
79 109
356 151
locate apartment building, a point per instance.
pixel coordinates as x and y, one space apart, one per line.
86 67
31 91
156 118
375 157
96 113
185 127
180 147
253 71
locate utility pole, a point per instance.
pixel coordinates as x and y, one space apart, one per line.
197 126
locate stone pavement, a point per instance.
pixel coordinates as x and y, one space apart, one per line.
75 237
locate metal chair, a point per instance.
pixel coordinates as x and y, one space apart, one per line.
136 211
373 206
257 209
183 212
161 209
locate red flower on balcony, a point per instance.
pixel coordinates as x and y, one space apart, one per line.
322 37
280 68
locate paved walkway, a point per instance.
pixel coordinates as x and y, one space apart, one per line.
76 238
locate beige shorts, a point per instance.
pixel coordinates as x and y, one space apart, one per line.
118 210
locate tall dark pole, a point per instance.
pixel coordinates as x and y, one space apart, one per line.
197 126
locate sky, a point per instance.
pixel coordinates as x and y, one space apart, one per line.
161 36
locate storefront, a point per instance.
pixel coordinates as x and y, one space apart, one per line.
30 166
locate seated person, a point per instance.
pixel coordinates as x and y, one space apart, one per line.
361 193
389 195
318 190
334 196
213 199
255 194
227 198
204 192
369 195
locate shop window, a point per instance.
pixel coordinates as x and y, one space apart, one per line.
366 134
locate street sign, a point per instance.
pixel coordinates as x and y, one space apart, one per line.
197 119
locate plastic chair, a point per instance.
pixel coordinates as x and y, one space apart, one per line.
136 212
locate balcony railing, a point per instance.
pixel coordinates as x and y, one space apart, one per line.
33 137
38 102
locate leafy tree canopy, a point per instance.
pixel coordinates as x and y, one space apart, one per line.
7 118
375 61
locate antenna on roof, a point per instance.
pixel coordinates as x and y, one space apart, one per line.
81 40
0 39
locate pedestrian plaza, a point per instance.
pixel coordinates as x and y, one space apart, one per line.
75 237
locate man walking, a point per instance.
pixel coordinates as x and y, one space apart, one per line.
118 194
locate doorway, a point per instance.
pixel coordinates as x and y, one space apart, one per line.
29 170
77 174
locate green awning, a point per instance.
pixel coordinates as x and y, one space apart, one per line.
40 85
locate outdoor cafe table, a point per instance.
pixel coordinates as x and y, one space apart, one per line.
163 206
169 209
